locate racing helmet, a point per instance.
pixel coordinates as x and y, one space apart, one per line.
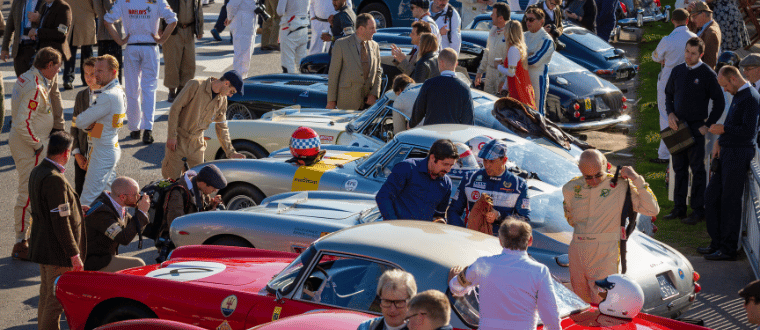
304 143
727 58
476 144
624 297
466 159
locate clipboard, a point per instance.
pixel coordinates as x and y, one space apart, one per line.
678 140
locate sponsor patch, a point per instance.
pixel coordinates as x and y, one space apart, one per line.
326 138
680 273
351 185
475 195
479 185
96 131
479 178
526 204
118 120
113 230
225 325
62 28
228 305
605 192
507 184
32 105
307 177
63 210
276 313
696 81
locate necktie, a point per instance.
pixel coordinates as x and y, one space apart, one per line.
365 60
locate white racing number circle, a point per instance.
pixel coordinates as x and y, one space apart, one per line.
187 271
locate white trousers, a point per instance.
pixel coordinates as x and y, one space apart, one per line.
140 80
101 171
293 48
317 44
662 152
243 30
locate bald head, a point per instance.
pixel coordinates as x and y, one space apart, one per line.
593 166
124 186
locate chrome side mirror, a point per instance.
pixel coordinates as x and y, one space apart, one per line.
278 296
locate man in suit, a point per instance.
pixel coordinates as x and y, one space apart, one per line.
83 101
54 27
736 147
109 225
24 16
444 99
81 35
179 50
354 79
707 30
106 43
58 233
32 125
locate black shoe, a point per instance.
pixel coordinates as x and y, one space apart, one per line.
172 95
216 35
706 250
659 161
135 134
675 214
68 86
147 136
694 218
719 255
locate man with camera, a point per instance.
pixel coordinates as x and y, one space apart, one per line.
110 225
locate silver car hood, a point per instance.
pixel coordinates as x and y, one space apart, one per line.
303 205
311 115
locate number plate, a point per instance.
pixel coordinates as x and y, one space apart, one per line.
588 104
667 290
622 74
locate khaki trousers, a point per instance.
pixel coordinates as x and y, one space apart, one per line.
591 261
192 147
49 309
121 263
271 27
25 160
179 58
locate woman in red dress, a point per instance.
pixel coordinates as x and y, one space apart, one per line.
515 66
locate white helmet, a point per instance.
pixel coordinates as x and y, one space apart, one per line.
466 159
624 297
477 143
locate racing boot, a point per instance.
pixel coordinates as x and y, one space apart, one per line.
172 95
147 136
135 134
21 251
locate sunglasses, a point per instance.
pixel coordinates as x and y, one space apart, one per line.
592 177
530 19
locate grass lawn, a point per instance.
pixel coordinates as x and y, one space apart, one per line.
683 237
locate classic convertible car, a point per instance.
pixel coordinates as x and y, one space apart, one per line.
241 287
370 128
582 47
577 100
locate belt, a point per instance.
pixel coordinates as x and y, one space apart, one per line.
321 19
595 238
298 28
143 44
185 26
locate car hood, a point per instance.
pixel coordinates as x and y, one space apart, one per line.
581 83
310 205
311 115
247 274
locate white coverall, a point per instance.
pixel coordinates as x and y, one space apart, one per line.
496 47
540 50
453 24
294 33
243 27
671 51
32 123
141 56
470 9
319 12
594 213
107 115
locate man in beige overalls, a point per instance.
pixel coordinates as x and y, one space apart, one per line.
593 207
179 49
199 104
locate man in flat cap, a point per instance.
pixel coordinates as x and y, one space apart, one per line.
751 295
750 65
200 103
707 30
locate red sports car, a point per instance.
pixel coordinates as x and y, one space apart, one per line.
217 287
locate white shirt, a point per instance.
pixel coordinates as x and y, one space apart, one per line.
756 85
513 287
140 18
549 12
455 23
671 50
514 5
433 28
116 204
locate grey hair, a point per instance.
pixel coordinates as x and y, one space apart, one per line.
395 279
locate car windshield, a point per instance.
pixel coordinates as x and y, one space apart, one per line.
550 167
547 213
586 38
468 306
561 64
285 280
366 115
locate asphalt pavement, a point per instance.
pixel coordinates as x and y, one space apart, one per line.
718 303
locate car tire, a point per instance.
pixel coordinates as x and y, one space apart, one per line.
128 311
249 149
239 111
241 195
232 241
380 12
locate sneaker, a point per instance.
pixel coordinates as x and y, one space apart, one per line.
216 35
147 136
135 134
21 251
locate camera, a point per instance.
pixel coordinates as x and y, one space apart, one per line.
261 10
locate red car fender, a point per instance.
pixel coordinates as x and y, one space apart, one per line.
217 252
153 324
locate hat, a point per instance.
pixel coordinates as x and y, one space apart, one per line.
424 4
700 6
235 79
212 176
304 143
750 60
493 150
752 290
680 15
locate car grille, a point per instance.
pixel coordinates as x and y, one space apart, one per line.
609 101
301 82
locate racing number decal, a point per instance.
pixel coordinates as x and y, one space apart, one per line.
276 313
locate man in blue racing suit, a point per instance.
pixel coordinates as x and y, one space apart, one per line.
509 192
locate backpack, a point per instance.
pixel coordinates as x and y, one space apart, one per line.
157 191
448 13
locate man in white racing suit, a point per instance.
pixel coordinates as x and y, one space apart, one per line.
540 50
102 120
294 33
241 19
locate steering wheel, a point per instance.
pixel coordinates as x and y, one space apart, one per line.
322 270
313 284
385 129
